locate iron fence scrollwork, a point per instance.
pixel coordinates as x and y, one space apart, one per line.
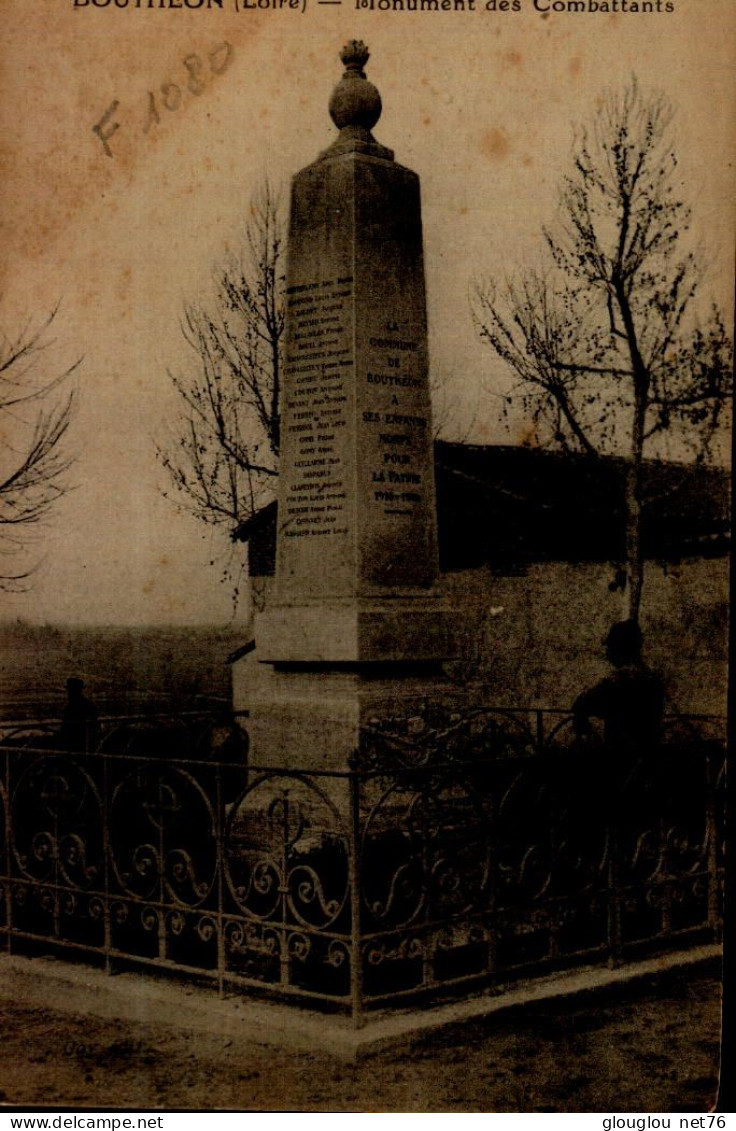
455 849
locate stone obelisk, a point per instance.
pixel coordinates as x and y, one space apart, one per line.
355 615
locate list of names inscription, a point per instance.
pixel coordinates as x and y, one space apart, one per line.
319 366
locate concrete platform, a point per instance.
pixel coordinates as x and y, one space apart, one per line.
57 985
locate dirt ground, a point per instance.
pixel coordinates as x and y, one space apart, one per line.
651 1047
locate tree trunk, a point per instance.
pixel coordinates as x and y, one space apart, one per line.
275 428
633 494
634 559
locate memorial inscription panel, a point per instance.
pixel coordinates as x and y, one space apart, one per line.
395 472
318 395
395 456
356 505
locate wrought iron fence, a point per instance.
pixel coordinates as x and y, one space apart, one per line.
462 849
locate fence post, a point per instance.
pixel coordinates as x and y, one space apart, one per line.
539 731
493 895
106 860
356 962
614 889
8 858
220 820
284 956
161 925
711 832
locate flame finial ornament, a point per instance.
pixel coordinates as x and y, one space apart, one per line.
355 105
355 55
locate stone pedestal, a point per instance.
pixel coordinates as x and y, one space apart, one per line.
356 566
313 719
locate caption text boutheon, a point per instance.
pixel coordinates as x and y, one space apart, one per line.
541 7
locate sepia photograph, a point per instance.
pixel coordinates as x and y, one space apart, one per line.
366 385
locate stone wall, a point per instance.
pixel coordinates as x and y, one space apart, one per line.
535 639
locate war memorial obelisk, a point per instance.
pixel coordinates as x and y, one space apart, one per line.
355 625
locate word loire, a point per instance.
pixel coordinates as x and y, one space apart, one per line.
198 73
288 5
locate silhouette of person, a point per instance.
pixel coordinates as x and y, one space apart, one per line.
630 701
79 720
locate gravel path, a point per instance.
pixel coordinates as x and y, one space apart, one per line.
649 1048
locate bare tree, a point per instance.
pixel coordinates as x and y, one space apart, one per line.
605 337
223 460
36 410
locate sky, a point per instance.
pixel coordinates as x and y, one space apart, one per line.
125 224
